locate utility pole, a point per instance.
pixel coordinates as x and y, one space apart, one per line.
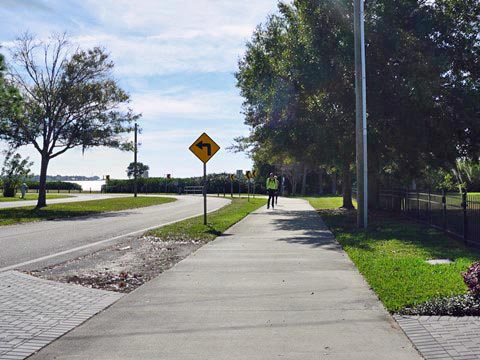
135 168
361 115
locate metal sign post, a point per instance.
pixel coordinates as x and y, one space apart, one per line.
254 175
240 177
204 193
204 148
248 175
232 177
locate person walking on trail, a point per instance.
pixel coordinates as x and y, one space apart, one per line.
23 190
271 188
277 190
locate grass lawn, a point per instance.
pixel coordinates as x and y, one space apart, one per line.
67 210
217 222
31 197
392 257
326 202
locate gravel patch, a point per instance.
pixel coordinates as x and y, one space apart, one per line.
122 267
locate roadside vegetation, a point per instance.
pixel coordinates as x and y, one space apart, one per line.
31 197
326 202
392 255
81 208
217 222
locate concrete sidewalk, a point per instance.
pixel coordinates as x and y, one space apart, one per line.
275 286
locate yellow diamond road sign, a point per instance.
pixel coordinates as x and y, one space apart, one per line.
204 148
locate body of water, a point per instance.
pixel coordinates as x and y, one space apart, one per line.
94 185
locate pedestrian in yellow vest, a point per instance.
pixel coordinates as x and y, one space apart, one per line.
271 186
276 190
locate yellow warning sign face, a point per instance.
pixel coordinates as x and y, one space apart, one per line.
204 148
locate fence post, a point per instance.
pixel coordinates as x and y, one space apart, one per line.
444 210
465 218
418 205
429 207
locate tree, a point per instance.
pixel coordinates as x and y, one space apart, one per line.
298 84
14 170
423 87
10 100
70 100
141 169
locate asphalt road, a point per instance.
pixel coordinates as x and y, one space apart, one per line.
34 245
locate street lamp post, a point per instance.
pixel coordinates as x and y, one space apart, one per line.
361 115
135 166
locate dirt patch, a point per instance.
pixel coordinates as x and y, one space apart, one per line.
122 267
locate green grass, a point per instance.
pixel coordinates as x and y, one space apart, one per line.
392 258
217 222
68 210
31 197
326 202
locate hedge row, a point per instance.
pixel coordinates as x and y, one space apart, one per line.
54 185
215 184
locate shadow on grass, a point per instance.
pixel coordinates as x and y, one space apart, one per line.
384 228
211 230
17 215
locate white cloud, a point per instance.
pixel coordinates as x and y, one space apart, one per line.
164 37
210 105
160 39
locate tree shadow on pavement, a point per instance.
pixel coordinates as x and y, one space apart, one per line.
308 229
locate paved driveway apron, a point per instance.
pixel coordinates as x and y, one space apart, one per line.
34 312
276 286
443 337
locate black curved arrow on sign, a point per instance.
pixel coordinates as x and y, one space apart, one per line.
201 145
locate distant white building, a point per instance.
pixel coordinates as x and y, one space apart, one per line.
144 174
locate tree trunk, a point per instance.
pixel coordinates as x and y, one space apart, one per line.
347 188
334 183
294 185
320 181
304 180
42 187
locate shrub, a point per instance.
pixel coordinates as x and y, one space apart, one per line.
9 188
471 277
458 305
54 185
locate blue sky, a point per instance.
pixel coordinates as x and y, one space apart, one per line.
176 59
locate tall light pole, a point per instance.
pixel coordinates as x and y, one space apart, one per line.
135 167
361 115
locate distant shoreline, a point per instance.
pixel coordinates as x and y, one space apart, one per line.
87 185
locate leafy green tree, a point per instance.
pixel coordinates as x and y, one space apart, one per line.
423 87
70 100
297 95
15 169
141 169
10 100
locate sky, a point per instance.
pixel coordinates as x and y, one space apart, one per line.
176 59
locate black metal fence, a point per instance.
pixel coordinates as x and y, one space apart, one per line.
458 214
